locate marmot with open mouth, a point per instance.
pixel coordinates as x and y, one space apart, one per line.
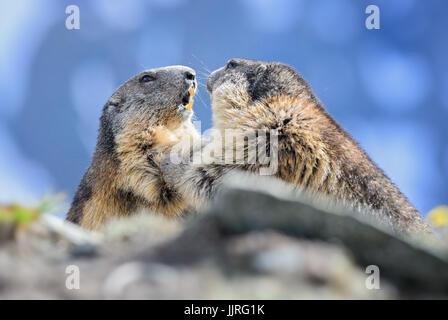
142 120
314 152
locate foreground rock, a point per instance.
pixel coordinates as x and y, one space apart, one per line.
252 243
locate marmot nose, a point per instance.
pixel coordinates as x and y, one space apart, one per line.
190 75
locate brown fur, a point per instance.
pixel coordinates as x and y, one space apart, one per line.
314 152
140 124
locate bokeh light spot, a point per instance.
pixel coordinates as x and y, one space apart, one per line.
91 85
395 81
122 15
261 13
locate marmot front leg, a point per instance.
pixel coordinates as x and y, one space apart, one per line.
141 170
199 181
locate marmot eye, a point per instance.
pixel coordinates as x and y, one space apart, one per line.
147 78
231 65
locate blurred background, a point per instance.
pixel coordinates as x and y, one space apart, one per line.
387 87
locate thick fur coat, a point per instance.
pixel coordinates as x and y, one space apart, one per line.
139 125
312 152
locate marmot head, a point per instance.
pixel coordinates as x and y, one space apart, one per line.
153 98
242 82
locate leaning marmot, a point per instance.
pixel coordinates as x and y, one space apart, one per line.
141 121
314 152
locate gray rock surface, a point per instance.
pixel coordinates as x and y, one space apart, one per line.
258 240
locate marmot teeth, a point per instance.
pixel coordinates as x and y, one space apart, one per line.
190 104
187 100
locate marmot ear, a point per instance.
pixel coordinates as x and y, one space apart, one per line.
257 83
115 99
114 102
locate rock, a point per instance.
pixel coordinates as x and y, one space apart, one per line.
260 239
411 265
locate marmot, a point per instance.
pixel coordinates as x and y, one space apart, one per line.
314 152
139 124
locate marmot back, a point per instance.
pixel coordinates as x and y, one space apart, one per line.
314 151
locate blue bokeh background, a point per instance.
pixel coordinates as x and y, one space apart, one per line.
388 87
